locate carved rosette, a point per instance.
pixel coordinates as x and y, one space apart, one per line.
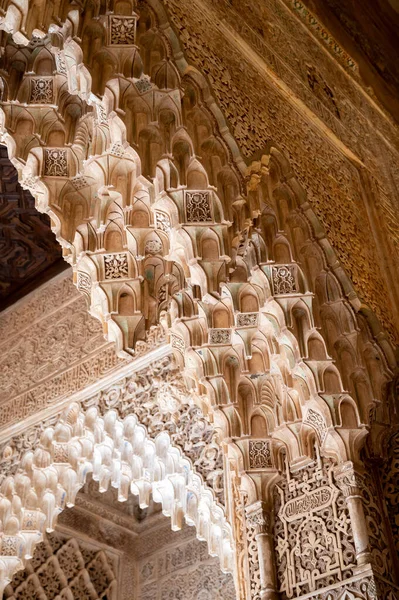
116 266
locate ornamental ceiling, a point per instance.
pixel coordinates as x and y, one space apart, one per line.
368 29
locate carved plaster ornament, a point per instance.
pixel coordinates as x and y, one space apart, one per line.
261 316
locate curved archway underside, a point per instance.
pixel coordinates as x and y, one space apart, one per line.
118 453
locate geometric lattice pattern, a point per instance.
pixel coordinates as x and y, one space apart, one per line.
65 569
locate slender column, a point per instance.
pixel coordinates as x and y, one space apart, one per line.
350 483
258 516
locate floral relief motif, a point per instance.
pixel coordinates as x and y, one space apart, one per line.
284 279
42 90
55 162
115 266
177 342
101 113
84 283
61 64
376 527
247 319
219 336
323 34
153 247
198 207
253 558
315 420
390 486
315 552
122 30
162 221
183 571
79 182
143 84
51 348
117 150
260 456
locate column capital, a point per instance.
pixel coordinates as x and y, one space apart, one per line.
258 517
348 479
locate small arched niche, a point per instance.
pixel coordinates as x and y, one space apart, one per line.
248 301
126 302
258 426
348 416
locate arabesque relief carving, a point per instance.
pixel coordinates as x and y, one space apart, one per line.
312 532
284 367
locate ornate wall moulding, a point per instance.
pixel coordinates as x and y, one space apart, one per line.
314 24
